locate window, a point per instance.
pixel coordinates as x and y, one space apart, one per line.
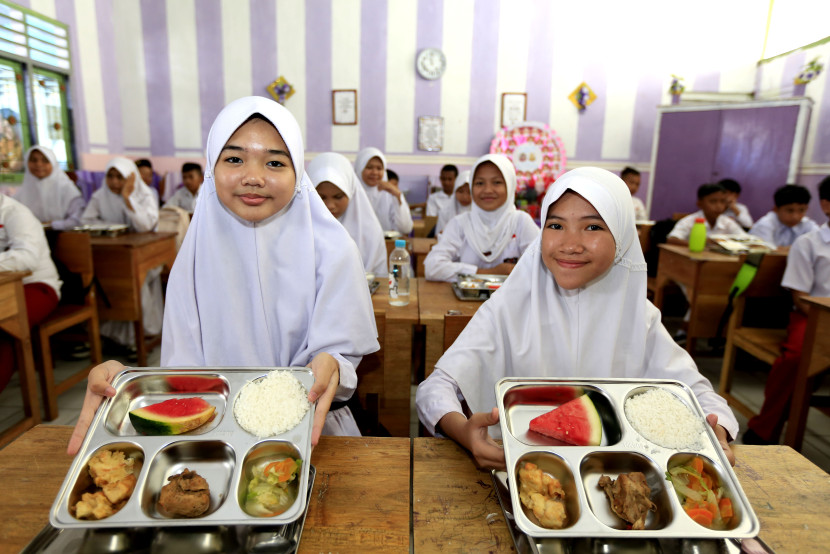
13 141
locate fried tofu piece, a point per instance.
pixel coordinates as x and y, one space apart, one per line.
110 467
120 491
93 506
543 495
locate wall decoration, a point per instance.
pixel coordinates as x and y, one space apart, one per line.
344 107
430 133
536 151
513 108
281 90
809 73
431 63
582 96
676 88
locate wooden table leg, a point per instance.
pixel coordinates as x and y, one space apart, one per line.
434 346
397 370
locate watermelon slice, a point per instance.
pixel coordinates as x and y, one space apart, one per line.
195 383
576 422
172 417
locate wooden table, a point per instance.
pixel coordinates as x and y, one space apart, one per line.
644 234
121 266
707 277
452 501
436 298
360 500
15 322
385 377
815 358
419 248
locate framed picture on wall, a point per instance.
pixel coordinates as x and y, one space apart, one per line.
513 108
344 107
431 133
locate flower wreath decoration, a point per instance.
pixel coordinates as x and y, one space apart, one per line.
537 153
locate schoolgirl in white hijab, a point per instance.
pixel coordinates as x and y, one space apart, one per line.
358 218
575 306
390 206
49 192
489 238
454 206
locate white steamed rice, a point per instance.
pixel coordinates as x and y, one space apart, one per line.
663 419
272 405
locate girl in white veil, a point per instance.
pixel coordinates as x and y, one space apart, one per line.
48 191
575 306
459 203
389 203
265 276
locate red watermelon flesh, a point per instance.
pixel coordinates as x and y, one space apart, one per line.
195 383
576 422
172 417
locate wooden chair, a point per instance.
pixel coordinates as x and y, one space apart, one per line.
75 251
766 303
429 225
366 401
453 325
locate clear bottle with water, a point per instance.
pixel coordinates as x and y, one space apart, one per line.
400 271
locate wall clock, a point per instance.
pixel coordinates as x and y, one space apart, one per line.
431 63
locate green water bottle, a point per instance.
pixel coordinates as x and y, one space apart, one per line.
697 238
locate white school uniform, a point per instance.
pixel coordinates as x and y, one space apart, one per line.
531 327
482 239
740 214
184 199
54 198
107 207
640 213
808 263
23 245
272 293
770 228
453 208
393 215
436 202
723 226
359 219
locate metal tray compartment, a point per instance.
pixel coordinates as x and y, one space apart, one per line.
476 287
622 450
220 451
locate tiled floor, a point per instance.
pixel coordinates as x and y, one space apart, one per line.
748 386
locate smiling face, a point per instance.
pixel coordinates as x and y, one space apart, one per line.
463 195
254 174
373 172
488 187
577 246
334 198
791 214
39 165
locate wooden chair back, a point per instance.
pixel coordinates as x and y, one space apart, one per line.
453 325
74 250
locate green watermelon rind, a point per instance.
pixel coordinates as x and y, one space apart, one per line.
149 423
592 418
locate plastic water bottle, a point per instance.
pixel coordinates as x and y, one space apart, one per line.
697 238
400 271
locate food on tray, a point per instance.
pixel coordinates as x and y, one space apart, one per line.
703 498
195 383
172 417
269 491
272 405
574 422
630 497
114 473
543 495
664 419
186 495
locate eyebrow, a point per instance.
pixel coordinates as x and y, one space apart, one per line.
588 217
240 149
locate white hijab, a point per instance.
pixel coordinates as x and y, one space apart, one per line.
462 179
491 231
359 219
112 207
272 293
532 327
363 157
48 198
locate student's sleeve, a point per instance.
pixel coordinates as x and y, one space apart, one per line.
763 231
667 360
25 236
639 209
441 263
743 217
799 274
683 228
92 212
402 217
432 206
734 227
436 397
73 215
145 213
527 232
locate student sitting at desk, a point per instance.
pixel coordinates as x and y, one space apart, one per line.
461 201
489 238
735 209
49 192
631 178
388 202
807 274
440 198
185 197
711 199
788 220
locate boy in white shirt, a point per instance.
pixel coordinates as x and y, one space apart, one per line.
631 178
185 197
788 220
734 209
807 274
711 199
439 199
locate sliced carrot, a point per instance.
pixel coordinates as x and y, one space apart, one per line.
725 506
282 469
703 517
697 465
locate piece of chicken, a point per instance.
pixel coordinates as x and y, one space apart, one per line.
93 506
630 497
186 495
543 495
110 467
120 491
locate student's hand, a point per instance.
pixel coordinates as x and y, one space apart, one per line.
723 437
472 434
97 387
502 269
391 189
326 372
128 189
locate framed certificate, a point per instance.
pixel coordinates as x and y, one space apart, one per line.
344 107
430 133
513 108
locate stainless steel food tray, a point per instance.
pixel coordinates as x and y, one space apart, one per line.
220 450
622 450
373 287
476 287
108 229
